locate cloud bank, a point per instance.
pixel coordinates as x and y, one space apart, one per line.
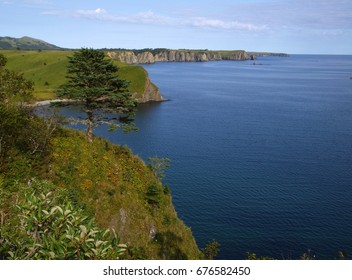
155 19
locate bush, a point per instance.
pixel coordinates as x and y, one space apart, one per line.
49 226
153 195
14 87
158 165
24 138
24 141
253 256
166 189
211 250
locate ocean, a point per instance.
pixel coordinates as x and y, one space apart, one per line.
261 154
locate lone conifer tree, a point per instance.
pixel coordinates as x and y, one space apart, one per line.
93 81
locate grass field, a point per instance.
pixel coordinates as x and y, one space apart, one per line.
47 69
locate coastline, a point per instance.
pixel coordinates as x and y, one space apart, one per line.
49 101
68 101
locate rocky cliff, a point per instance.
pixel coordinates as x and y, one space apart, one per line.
152 56
151 93
141 87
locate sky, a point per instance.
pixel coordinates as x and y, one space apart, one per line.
290 26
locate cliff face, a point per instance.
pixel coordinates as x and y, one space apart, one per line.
148 57
141 87
151 93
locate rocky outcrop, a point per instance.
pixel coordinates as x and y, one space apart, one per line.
151 93
127 57
145 58
148 57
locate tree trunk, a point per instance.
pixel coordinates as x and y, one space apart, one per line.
90 126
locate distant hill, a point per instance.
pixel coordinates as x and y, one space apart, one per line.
25 43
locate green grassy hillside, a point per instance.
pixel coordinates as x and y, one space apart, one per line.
47 69
106 181
112 183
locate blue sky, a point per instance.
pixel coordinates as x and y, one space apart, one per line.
292 26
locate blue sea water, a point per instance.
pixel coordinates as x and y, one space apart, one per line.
261 154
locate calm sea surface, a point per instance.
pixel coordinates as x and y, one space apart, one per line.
261 154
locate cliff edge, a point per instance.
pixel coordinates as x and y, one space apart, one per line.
156 55
151 93
141 87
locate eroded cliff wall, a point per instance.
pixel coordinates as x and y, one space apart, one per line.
151 93
148 57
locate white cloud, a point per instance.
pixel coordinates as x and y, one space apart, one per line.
96 12
215 23
150 17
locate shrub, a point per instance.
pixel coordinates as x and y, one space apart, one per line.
49 226
211 250
153 195
158 165
166 189
24 141
253 256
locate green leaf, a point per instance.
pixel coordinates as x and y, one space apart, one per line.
67 212
83 229
53 210
60 209
106 232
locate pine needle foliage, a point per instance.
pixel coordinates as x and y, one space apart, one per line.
93 81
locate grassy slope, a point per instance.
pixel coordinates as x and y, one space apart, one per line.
136 74
47 69
111 183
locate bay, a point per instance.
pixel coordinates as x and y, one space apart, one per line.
261 154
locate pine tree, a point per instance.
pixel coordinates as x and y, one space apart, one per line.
93 81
